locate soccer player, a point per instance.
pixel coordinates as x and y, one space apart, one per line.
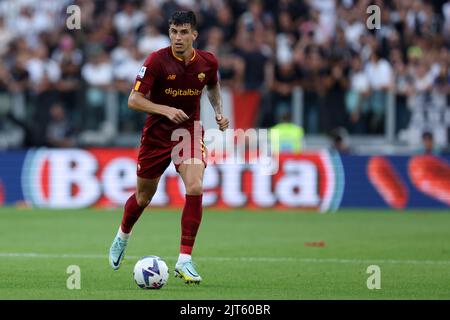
168 88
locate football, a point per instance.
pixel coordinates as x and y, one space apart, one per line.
151 272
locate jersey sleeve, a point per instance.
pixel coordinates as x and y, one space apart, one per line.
147 74
214 78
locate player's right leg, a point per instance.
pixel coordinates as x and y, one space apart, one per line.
134 207
192 174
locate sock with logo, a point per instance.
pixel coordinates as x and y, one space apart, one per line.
131 214
190 222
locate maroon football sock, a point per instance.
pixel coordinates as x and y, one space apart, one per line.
131 214
190 221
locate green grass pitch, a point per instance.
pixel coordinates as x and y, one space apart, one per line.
240 254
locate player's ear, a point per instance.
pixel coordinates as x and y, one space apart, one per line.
194 34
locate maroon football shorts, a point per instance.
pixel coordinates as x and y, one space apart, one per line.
153 159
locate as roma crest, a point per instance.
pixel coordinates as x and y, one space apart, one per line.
201 76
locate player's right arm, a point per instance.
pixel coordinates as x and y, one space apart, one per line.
138 102
144 83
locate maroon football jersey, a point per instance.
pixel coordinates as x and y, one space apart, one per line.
173 83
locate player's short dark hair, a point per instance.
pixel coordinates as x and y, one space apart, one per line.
183 17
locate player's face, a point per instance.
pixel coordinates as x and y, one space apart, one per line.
182 37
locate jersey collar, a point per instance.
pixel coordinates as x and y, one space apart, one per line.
179 59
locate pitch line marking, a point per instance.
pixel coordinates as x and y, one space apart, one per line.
236 259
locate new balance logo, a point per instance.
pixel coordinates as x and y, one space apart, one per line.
171 77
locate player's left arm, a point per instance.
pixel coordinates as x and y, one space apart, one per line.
215 98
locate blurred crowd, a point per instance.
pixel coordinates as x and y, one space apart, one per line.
346 70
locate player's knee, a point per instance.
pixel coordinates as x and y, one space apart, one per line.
143 198
194 188
142 202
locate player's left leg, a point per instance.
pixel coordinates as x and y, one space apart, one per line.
191 172
152 161
135 205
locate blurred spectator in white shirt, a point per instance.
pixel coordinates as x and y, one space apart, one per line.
129 18
98 74
356 99
381 79
31 22
122 52
42 70
326 19
354 29
129 68
379 72
124 78
98 70
152 40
